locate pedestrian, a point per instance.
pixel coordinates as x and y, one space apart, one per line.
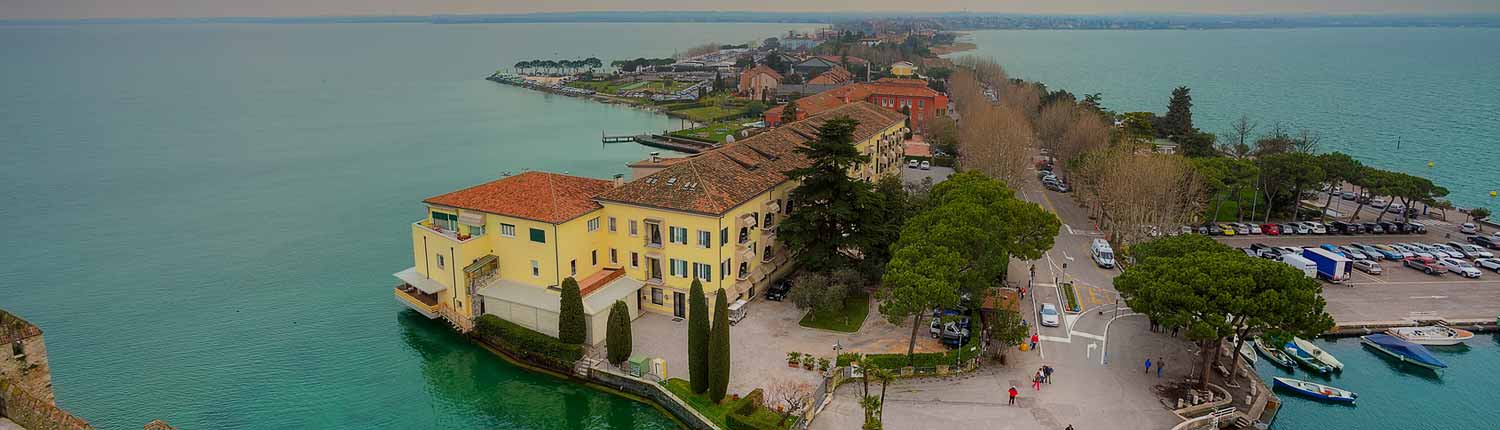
1070 427
1013 394
1036 380
1034 339
1160 363
1148 365
1047 370
1174 331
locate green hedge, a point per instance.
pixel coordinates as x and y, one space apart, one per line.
529 344
751 402
1071 296
924 359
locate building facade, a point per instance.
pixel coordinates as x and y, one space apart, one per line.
503 248
757 83
913 95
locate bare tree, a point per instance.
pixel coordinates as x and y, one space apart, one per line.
1137 195
1237 142
1055 119
1087 133
792 397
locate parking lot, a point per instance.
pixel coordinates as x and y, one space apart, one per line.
1400 292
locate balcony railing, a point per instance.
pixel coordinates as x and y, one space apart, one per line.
460 322
450 234
423 303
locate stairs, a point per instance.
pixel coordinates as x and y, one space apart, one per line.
582 366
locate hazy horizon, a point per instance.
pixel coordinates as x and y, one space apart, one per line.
95 9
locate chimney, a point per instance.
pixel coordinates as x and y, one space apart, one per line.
655 157
619 180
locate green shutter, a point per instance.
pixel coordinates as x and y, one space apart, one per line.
538 235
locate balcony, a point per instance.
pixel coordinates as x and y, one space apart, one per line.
430 227
423 303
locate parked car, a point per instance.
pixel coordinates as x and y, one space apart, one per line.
1424 264
1334 249
1461 267
1289 250
779 290
1211 230
1417 227
1389 227
1468 228
926 165
1316 228
1271 229
1226 230
1255 229
1353 253
1103 255
1471 251
1368 266
1373 228
913 163
1370 251
1300 228
1241 229
1489 263
1378 203
1389 253
1485 241
1348 195
1345 228
1058 186
1407 248
1451 251
1264 251
1049 315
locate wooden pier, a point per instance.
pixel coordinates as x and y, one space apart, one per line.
662 141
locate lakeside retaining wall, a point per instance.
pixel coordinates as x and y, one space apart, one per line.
34 413
654 392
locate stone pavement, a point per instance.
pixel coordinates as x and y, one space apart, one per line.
759 343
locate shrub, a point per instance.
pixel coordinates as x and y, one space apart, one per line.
697 338
751 401
1071 296
570 319
737 421
527 343
718 350
618 341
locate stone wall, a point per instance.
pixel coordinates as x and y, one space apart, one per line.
655 393
34 413
23 357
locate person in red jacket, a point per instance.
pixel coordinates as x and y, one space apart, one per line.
1034 339
1013 394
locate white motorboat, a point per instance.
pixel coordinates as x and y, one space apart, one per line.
1432 335
1248 353
1318 353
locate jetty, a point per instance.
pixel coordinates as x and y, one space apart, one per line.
662 141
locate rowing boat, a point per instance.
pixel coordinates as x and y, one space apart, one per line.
1319 353
1278 358
1315 390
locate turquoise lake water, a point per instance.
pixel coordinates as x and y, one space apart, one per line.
206 217
1437 90
1394 395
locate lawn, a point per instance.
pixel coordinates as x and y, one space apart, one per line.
1228 212
712 113
718 413
712 132
617 87
848 319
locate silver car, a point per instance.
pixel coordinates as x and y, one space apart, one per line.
1049 315
1353 253
1471 250
1368 266
1461 267
1488 263
1450 251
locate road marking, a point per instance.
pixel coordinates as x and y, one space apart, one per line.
1070 229
1428 297
1065 255
1056 339
1430 282
1087 335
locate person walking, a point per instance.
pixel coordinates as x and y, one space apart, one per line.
1036 380
1034 339
1148 365
1013 394
1160 363
1047 374
1070 427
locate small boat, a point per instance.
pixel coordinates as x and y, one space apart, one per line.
1278 358
1246 353
1316 391
1402 350
1318 353
1306 358
1433 335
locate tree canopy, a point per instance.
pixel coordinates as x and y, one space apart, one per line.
698 333
571 323
830 210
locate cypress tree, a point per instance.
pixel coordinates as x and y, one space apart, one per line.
617 341
718 350
570 320
697 338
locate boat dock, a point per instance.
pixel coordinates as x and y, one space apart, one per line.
1362 328
661 141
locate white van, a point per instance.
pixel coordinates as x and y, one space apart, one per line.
1103 255
1308 267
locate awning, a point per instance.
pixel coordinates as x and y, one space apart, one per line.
748 220
773 206
471 218
411 277
480 263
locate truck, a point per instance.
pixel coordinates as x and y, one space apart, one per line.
1330 266
1306 266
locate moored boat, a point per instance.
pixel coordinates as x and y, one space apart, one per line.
1403 350
1306 358
1277 357
1318 353
1315 390
1434 335
1246 353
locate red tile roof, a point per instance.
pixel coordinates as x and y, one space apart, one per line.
538 196
836 59
816 103
715 181
836 75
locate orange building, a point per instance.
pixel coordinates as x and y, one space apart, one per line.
889 93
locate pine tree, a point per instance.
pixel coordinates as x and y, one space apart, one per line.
617 342
718 350
570 319
698 338
1179 119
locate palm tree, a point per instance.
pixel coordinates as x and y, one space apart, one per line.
885 377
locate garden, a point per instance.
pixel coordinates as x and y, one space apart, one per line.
735 412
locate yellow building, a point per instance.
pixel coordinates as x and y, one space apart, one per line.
504 247
903 69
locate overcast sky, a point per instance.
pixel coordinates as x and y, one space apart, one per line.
71 9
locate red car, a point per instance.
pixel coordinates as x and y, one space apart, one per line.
1426 264
1270 229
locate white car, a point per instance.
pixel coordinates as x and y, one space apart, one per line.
1471 250
1378 203
1049 315
1415 251
926 165
1240 229
1368 266
1489 263
1316 227
1300 228
1468 228
1460 267
1447 250
912 163
1254 229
